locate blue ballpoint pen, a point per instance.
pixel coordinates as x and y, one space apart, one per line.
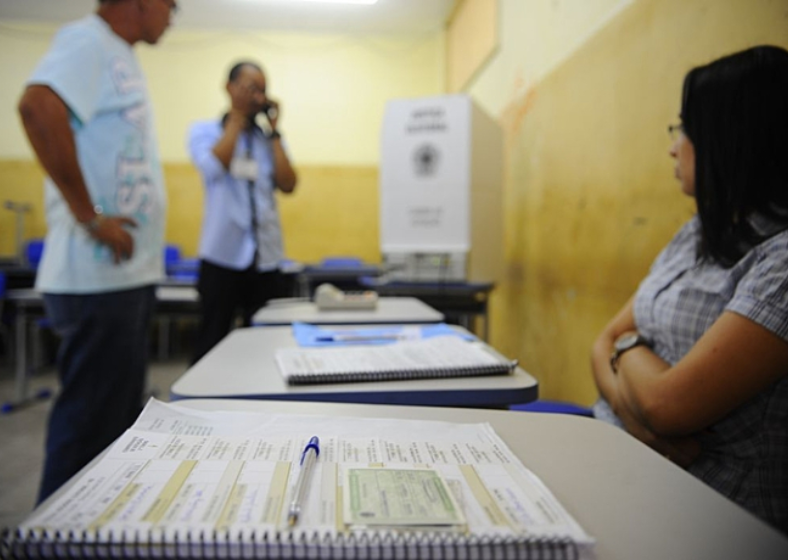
308 459
358 337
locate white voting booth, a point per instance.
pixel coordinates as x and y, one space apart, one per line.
441 191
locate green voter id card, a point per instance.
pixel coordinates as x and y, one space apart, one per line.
399 497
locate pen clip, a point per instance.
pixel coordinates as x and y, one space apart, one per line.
314 443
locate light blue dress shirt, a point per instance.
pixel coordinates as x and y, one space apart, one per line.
227 238
97 75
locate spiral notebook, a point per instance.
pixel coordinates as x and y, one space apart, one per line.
183 483
431 358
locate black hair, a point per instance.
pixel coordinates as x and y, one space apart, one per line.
238 66
735 112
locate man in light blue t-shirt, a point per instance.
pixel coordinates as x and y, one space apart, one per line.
88 118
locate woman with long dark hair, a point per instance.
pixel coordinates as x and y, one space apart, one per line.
696 363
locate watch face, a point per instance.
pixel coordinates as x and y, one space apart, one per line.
626 342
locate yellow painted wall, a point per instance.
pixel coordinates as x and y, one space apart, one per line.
20 181
471 39
333 89
535 37
590 193
334 210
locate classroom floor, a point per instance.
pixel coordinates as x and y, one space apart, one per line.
22 432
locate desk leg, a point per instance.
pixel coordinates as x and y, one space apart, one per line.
486 318
303 286
466 321
164 337
21 355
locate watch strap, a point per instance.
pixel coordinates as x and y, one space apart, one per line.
618 351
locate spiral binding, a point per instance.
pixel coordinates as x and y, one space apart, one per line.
404 374
283 546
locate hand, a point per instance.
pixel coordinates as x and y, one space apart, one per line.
681 450
111 231
272 113
237 119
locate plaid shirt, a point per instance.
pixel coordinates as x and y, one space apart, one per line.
745 454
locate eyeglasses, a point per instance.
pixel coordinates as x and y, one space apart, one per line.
173 5
674 130
253 89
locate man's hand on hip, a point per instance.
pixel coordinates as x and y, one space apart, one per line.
111 231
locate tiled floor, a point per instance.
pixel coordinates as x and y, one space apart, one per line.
22 433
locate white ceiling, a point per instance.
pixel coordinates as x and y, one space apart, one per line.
387 16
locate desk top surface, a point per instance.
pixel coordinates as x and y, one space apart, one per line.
177 293
243 365
164 293
634 502
428 287
390 310
341 270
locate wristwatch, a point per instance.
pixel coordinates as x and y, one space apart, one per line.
624 343
95 222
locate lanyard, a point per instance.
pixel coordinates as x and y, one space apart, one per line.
252 206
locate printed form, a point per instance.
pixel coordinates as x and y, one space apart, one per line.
181 471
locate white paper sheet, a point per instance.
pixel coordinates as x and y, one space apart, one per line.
184 471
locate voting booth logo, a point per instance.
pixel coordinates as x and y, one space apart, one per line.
426 159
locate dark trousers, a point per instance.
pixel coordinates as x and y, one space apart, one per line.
102 361
226 293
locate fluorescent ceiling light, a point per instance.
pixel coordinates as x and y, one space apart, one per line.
326 1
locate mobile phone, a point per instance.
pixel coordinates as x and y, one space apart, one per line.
269 110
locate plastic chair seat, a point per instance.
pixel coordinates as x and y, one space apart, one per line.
341 262
34 251
554 407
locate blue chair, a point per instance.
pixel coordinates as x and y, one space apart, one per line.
172 255
554 407
187 270
34 250
179 268
341 262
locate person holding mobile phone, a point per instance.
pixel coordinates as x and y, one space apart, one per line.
243 161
